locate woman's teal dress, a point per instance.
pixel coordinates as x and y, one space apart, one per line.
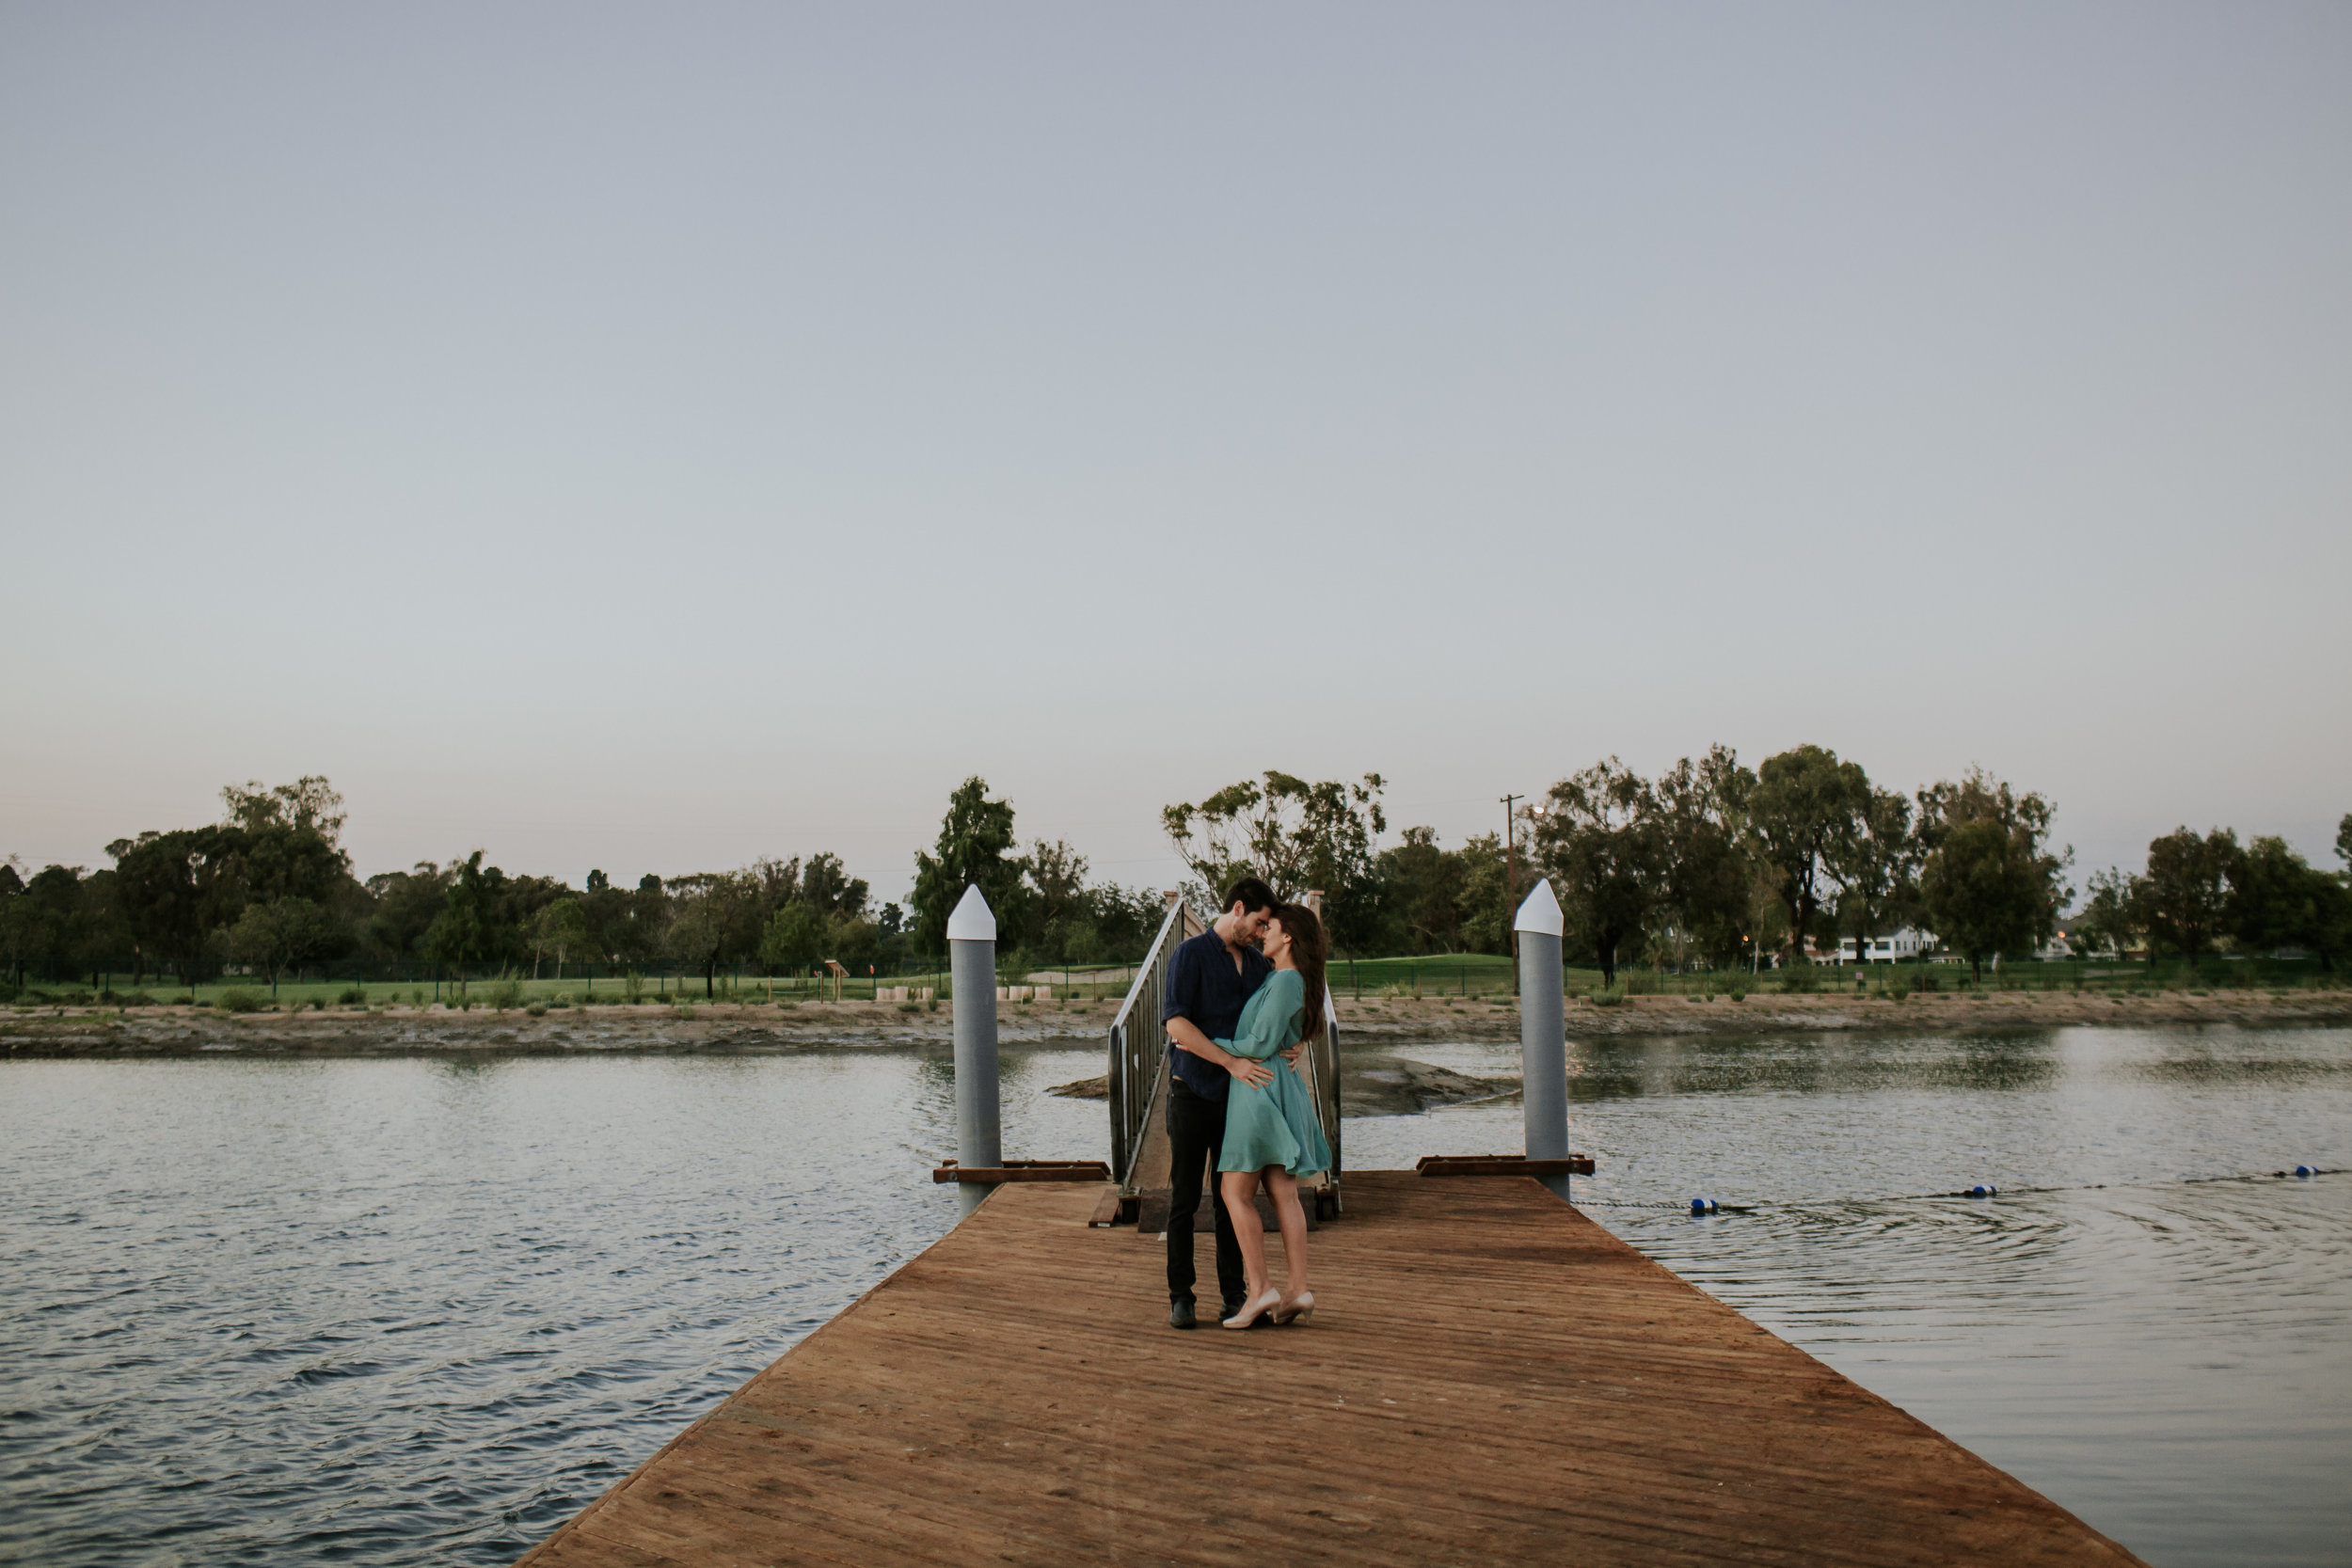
1276 1125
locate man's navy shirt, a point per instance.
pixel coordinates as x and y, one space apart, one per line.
1203 986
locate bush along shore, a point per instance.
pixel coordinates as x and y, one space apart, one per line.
60 1029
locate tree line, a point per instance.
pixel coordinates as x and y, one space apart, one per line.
1709 864
1713 864
270 887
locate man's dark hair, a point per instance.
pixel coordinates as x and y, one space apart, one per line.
1251 894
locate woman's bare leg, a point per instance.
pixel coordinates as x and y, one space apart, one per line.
1240 1189
1283 1187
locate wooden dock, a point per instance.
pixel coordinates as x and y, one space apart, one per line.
1490 1378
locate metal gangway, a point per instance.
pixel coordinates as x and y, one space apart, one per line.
1139 1050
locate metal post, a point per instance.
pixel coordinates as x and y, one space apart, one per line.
1543 1031
972 970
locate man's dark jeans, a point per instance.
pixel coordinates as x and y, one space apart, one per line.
1195 1135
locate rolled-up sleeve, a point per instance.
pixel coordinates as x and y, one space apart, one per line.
1183 997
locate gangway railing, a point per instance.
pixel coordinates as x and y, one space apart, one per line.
1138 1076
1138 1048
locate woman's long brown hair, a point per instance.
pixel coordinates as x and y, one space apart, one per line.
1309 950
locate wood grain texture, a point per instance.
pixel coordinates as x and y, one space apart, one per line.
1490 1378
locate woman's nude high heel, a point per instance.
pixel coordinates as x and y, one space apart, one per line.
1258 1307
1299 1308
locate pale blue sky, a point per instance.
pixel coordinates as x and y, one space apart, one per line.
652 436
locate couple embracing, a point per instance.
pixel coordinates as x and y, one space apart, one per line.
1244 1000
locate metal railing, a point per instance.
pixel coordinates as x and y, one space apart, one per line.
1138 1060
1138 1044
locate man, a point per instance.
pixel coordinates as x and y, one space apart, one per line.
1209 980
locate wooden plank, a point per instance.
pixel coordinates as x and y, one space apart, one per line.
1024 1170
1490 1378
1501 1165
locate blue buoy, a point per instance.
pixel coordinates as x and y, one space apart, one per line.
1983 1191
1702 1206
2305 1170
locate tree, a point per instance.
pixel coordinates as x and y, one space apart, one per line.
471 927
1970 886
1424 888
2278 899
2184 897
1980 892
309 804
1803 814
1877 870
974 838
2106 919
795 938
1291 834
715 920
561 929
275 936
178 888
1709 877
406 904
831 890
1603 842
1486 912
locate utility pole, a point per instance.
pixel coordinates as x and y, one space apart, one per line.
1511 873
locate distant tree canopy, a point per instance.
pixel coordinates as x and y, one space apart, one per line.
1046 911
269 888
1709 863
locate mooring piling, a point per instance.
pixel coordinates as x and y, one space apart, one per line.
1543 1031
971 965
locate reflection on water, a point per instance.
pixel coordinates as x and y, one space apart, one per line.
390 1311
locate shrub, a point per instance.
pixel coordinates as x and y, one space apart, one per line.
135 999
910 1006
685 1010
507 992
1738 992
1897 987
537 1009
560 999
1638 982
351 995
1610 997
632 985
239 1000
1798 979
416 997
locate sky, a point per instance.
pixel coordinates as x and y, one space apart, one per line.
652 437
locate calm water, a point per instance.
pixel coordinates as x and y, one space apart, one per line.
401 1311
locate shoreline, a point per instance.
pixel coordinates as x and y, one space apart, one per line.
1370 1023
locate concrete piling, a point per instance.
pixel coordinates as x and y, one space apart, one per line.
971 968
1543 1031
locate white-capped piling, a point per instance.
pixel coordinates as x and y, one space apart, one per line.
1543 1031
972 968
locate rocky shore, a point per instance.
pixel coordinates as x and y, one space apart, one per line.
1373 1025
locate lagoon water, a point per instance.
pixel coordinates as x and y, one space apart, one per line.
408 1310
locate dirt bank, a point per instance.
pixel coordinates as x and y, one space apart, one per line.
1374 1025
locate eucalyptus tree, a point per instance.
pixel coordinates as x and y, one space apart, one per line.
2106 917
1603 842
1702 807
1877 869
1803 816
1295 836
974 849
2185 895
1989 882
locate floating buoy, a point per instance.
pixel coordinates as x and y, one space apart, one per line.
2305 1170
1702 1206
1983 1191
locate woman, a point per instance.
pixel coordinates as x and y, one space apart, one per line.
1271 1130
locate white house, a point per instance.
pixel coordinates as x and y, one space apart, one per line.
1905 943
